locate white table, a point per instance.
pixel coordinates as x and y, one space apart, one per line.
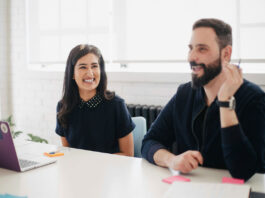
81 173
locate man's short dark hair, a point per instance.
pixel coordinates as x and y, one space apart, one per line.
223 30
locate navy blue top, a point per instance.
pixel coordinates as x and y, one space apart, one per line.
99 128
239 148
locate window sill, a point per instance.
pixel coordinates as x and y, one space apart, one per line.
157 75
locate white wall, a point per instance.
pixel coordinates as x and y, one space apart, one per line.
5 104
34 94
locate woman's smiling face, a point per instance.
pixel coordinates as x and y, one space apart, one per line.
87 75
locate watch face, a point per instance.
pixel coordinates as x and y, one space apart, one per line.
232 103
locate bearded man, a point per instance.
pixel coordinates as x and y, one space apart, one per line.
218 119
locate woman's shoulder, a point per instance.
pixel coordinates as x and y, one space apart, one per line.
116 101
117 98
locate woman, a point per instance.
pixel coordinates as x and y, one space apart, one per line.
88 115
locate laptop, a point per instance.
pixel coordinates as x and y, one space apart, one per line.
26 159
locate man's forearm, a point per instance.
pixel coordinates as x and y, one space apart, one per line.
239 154
228 117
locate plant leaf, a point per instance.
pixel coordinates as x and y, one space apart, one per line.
16 133
35 138
9 121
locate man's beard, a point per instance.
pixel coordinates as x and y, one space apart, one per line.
210 72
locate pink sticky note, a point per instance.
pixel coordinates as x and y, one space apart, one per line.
232 180
171 179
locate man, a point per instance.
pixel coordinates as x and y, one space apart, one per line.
202 118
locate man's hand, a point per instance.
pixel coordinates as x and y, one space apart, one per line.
233 81
186 162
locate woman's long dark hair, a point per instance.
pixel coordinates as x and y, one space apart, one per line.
71 96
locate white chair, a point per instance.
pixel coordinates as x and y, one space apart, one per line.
138 134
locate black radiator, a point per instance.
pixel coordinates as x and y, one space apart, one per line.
149 112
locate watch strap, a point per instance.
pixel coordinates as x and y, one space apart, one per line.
231 103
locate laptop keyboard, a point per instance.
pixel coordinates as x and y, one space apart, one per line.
26 163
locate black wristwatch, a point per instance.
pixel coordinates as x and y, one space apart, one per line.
231 103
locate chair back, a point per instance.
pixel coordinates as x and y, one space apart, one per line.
138 134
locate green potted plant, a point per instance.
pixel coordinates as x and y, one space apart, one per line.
15 134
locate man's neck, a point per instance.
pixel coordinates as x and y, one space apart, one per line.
212 88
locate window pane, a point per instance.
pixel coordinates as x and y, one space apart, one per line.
252 11
73 13
161 29
253 43
48 15
49 48
99 13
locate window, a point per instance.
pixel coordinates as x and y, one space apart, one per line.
56 26
138 33
252 29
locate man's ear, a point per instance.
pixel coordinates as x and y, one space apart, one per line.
226 53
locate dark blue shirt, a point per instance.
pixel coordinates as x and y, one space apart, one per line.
99 128
239 148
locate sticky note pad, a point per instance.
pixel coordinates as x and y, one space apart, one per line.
232 180
54 154
171 179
